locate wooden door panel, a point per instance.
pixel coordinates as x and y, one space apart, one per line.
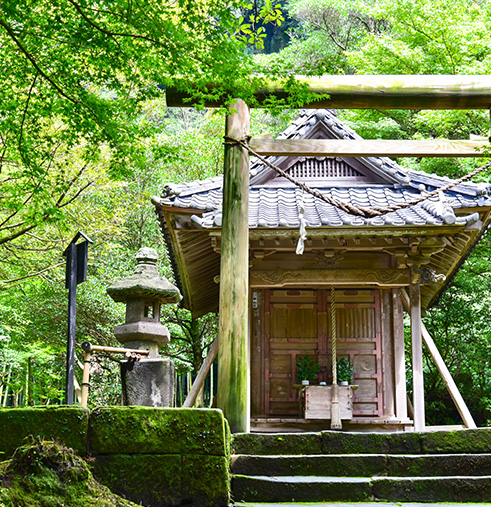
299 323
293 331
280 363
365 364
355 321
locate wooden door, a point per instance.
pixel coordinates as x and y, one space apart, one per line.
297 322
292 328
359 339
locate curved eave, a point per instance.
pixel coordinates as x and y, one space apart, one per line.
486 221
196 261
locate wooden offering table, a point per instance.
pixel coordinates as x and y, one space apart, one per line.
316 401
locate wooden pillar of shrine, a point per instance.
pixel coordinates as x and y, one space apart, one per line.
233 395
417 356
399 357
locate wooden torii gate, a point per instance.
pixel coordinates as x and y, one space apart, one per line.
345 92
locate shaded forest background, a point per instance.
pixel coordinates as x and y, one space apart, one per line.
86 139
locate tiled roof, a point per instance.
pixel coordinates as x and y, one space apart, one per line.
274 205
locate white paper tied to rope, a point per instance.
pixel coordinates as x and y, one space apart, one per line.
303 229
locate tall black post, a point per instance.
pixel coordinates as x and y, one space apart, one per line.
76 272
72 310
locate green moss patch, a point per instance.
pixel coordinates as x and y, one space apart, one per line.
267 489
439 489
277 444
205 480
461 441
65 424
335 442
146 430
153 480
329 466
42 474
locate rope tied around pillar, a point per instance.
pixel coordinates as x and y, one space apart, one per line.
361 211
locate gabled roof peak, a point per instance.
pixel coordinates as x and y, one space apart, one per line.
308 123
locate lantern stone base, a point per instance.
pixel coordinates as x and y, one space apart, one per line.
148 383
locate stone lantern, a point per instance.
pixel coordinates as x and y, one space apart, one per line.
149 381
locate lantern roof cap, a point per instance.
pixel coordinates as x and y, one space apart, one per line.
145 282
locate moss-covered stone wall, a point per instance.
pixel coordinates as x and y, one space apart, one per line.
156 456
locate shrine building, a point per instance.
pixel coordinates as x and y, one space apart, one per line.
308 258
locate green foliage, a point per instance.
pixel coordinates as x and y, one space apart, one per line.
191 338
249 33
441 37
327 30
345 370
460 325
307 369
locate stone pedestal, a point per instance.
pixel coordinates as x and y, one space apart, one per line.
148 383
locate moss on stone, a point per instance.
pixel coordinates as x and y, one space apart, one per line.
328 466
435 489
258 489
277 444
228 439
461 441
141 452
436 465
146 430
65 424
402 443
206 480
47 474
335 442
149 479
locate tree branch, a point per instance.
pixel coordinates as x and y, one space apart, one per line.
76 195
34 63
30 275
25 113
107 32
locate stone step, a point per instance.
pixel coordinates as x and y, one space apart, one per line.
364 465
336 442
359 504
360 489
299 489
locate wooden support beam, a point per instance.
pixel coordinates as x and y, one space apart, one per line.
444 372
399 357
202 374
369 148
376 92
342 277
233 354
417 357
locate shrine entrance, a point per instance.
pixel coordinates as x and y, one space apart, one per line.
297 323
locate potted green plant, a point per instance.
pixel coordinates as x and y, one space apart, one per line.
307 370
345 371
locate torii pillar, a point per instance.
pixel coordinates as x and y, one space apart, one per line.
233 395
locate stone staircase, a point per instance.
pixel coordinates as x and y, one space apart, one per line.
442 466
